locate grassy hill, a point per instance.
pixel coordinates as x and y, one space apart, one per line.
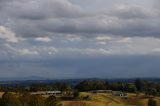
101 99
106 99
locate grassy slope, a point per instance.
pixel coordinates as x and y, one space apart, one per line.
1 93
109 100
97 100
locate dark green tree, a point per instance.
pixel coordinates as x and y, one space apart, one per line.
88 85
51 101
139 84
25 99
130 87
36 100
76 93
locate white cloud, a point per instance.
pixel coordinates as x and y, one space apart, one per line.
26 52
102 43
124 40
8 35
102 38
43 39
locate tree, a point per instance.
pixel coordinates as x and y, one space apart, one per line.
36 100
152 102
130 87
76 93
8 99
139 84
25 99
88 85
51 101
118 86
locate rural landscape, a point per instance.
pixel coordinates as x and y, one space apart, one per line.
89 92
79 52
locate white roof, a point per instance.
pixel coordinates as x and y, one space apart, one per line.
53 91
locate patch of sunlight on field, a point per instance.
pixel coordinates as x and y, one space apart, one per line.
97 99
158 100
144 102
132 94
81 103
1 93
90 103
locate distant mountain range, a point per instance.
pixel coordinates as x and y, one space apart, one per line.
43 78
36 79
22 78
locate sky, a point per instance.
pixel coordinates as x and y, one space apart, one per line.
80 38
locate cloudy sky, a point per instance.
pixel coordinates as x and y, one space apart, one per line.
80 38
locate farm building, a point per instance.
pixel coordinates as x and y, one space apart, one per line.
121 94
48 93
101 91
39 93
53 92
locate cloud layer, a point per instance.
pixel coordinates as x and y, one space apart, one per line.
37 18
61 32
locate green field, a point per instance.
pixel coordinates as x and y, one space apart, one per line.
101 99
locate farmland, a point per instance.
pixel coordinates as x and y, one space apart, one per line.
84 93
105 99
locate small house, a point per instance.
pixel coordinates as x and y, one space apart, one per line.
121 94
101 91
53 92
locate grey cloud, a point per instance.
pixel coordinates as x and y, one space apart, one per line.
6 1
39 18
137 27
37 9
132 12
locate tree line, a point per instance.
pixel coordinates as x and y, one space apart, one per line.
147 87
26 99
20 95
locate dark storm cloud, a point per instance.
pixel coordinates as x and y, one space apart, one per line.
5 1
49 9
131 12
86 67
36 18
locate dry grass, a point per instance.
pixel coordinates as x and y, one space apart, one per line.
104 99
100 99
1 93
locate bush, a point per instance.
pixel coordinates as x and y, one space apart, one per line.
51 101
76 93
8 99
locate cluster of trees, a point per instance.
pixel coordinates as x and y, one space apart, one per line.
147 87
26 99
88 85
50 87
36 87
